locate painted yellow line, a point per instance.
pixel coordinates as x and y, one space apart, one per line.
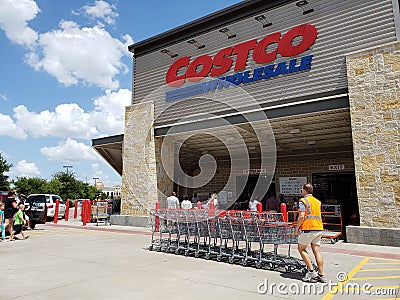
374 278
331 294
380 270
380 258
385 263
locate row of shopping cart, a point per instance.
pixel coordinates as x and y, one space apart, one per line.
238 236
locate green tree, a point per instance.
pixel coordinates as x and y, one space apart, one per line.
28 186
4 167
62 183
54 187
88 191
68 186
71 188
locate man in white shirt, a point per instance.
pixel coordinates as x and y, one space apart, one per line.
172 201
253 204
186 204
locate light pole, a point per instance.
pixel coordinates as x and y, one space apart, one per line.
68 167
95 180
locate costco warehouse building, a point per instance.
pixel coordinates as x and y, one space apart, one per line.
262 96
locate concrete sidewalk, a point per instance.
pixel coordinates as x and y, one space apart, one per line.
339 247
71 261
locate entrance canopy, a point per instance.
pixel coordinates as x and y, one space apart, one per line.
299 130
110 148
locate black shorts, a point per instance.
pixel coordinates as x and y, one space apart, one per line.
17 228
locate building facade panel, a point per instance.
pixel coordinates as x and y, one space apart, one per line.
343 26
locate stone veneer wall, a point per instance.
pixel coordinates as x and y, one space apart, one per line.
164 182
374 93
139 177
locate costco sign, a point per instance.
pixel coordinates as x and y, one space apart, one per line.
200 67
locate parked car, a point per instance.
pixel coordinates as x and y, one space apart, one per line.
36 209
51 205
3 196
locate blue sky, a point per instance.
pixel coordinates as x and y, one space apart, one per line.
65 77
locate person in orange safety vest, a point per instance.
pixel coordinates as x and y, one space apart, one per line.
310 229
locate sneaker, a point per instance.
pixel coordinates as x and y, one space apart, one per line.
320 278
310 276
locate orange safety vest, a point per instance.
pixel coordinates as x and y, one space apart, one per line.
312 218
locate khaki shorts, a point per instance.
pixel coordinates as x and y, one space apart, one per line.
306 238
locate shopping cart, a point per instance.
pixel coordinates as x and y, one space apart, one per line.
252 236
159 229
236 235
202 232
99 213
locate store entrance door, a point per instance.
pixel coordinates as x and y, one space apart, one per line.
338 189
246 187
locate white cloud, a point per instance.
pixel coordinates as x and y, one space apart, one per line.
102 177
14 16
8 127
81 55
24 169
101 10
70 120
109 113
5 155
69 151
4 98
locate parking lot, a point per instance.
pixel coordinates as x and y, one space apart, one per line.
71 262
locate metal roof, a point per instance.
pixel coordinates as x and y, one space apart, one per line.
217 19
110 148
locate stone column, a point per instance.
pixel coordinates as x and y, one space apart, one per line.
374 93
139 176
164 182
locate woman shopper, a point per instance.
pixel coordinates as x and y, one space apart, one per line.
10 208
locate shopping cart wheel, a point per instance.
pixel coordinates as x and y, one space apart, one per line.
186 252
231 260
151 248
271 266
207 256
219 257
258 264
288 269
244 262
196 254
177 251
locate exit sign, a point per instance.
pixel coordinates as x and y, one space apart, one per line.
336 167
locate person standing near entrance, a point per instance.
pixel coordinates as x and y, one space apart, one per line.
272 204
253 203
172 201
186 204
310 229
